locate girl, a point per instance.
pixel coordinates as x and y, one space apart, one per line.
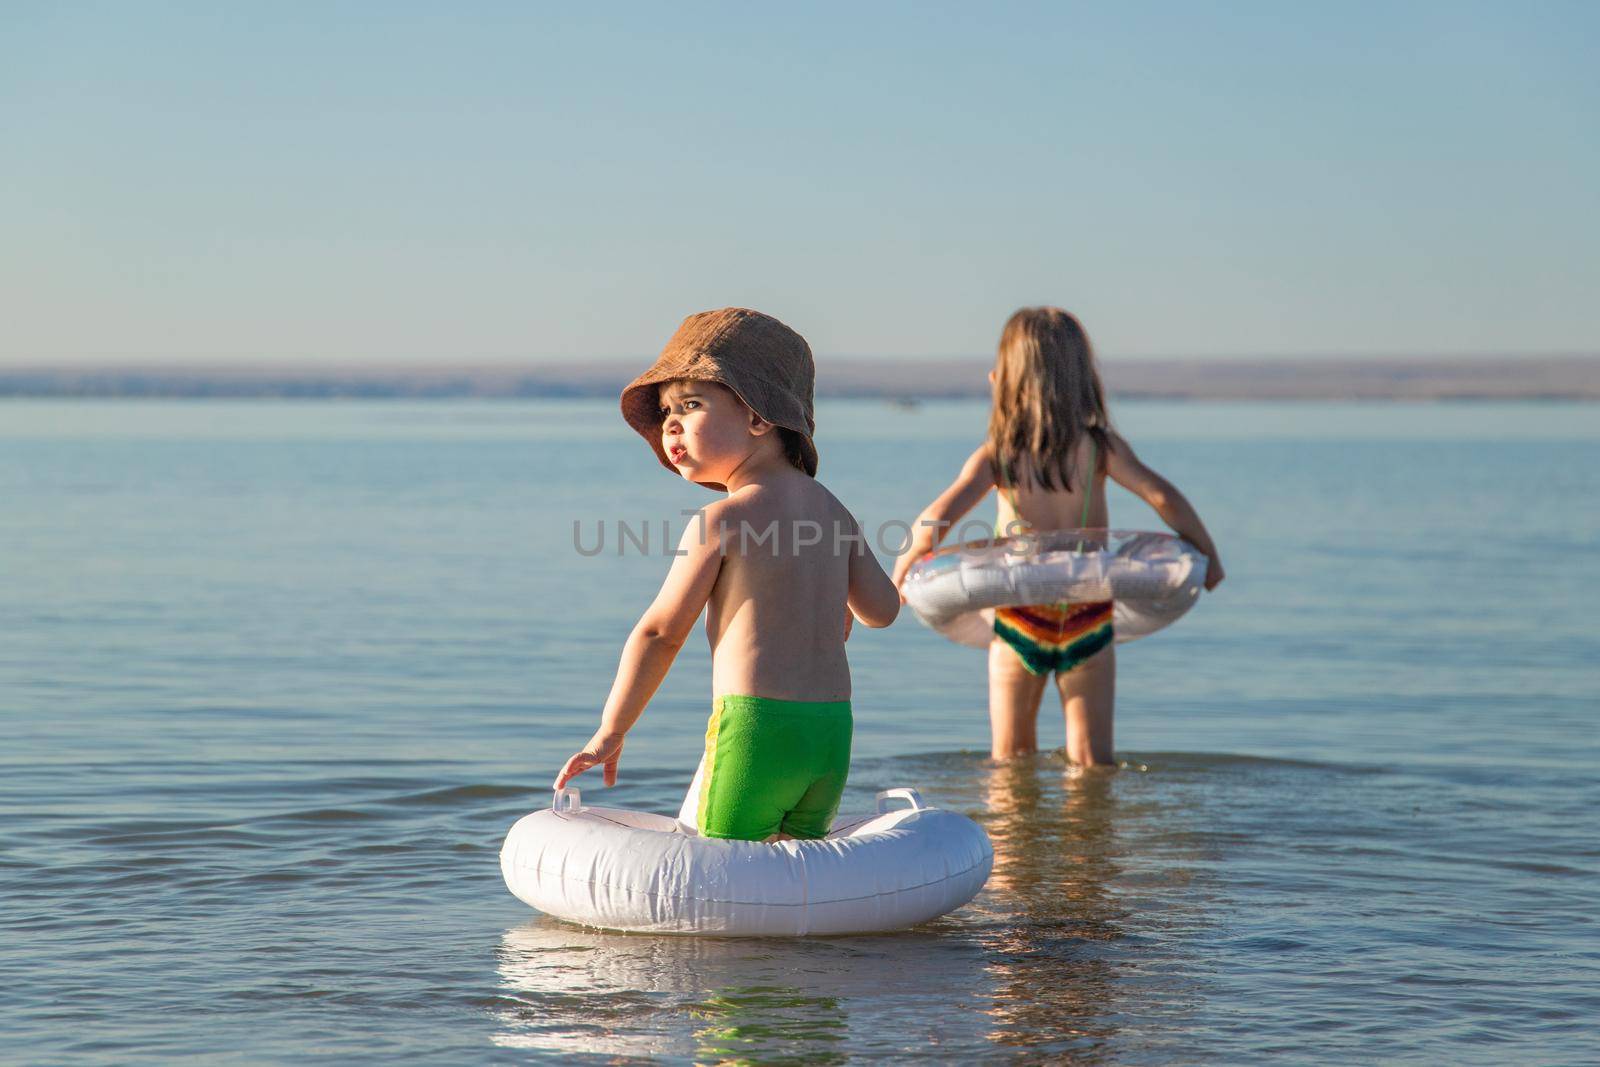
1049 451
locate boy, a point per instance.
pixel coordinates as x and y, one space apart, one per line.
780 565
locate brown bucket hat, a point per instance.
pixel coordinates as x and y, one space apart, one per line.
767 364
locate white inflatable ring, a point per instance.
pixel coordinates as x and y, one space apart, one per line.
1153 578
635 871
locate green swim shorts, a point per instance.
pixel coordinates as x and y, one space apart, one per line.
773 765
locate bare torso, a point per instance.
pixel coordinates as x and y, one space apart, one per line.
776 615
1047 509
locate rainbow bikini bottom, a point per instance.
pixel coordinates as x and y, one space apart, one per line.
1055 637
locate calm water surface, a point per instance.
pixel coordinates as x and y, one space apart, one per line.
276 678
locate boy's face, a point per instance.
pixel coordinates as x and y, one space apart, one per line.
706 430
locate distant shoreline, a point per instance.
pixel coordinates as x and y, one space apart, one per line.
1570 378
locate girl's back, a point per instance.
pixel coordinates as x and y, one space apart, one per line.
1024 504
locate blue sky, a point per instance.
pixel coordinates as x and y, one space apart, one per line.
486 182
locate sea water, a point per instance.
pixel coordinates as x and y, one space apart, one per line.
275 679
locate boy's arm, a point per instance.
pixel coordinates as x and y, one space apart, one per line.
873 597
1124 468
971 485
652 646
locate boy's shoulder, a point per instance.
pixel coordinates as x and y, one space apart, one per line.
802 499
797 494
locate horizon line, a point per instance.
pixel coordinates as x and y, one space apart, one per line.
500 363
1574 377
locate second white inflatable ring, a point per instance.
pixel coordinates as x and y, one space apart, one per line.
1153 578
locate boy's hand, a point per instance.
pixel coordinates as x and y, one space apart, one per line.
1214 573
604 747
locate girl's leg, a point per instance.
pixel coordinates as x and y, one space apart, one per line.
1088 699
1013 703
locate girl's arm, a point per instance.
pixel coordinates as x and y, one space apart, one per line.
970 486
1124 468
652 646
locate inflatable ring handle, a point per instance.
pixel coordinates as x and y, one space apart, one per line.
911 796
573 797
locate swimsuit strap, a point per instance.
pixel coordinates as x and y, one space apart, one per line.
1088 487
1011 494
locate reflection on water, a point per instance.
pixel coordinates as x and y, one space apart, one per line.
722 999
1055 843
747 1022
576 990
1037 965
